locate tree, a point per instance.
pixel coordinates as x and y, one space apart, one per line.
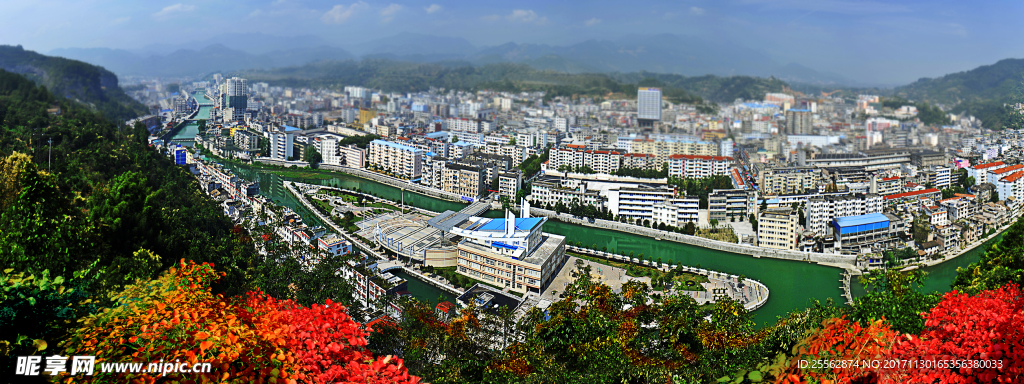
312 156
714 223
512 141
995 197
753 222
455 139
317 343
921 229
896 297
1001 264
690 228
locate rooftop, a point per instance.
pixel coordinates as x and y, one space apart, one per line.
911 194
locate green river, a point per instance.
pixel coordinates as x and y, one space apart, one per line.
792 283
190 130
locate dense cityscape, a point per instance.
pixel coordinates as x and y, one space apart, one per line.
456 218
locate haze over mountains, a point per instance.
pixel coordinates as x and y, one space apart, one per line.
663 53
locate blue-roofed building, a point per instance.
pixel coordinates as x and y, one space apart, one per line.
873 232
512 253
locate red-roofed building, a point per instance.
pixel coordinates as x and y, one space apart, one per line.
1011 184
994 174
913 196
887 185
980 171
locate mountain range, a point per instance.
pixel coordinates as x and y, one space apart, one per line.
88 84
663 53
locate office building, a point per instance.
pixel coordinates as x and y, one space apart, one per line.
511 253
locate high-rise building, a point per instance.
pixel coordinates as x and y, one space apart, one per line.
799 122
648 106
235 98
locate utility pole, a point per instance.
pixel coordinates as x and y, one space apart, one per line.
49 155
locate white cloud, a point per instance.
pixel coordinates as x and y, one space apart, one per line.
593 22
120 20
389 12
697 11
526 16
434 8
340 13
170 10
490 18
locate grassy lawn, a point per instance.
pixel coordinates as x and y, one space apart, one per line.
720 233
680 278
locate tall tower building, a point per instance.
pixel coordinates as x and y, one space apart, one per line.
648 106
236 94
799 122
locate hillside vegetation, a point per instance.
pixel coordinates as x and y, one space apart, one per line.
72 79
398 76
981 92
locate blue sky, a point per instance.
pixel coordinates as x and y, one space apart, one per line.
876 41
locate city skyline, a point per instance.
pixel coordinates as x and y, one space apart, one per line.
871 42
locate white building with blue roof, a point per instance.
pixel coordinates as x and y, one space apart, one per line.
873 232
511 253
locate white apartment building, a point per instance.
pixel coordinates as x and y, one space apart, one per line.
696 166
398 159
281 145
777 229
329 150
576 156
822 209
676 212
461 124
546 191
637 203
1011 185
509 184
353 156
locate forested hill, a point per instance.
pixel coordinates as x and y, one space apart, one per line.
72 79
400 76
980 92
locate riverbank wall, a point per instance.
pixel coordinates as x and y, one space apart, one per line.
820 258
395 182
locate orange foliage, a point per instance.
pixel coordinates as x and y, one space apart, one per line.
253 338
